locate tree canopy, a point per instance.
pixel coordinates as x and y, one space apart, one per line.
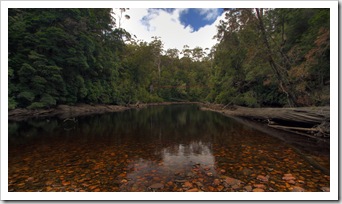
263 57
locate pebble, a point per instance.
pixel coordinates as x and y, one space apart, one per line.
310 184
246 171
263 178
236 186
300 181
123 174
232 181
287 178
187 184
210 188
301 178
220 188
297 189
325 189
291 182
156 186
192 190
30 179
66 183
262 186
209 174
190 174
216 182
258 190
180 181
248 188
156 178
199 184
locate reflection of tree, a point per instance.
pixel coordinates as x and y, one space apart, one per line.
31 131
197 148
151 129
12 128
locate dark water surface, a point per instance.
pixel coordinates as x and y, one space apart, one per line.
161 148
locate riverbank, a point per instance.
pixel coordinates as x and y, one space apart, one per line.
308 121
68 111
63 111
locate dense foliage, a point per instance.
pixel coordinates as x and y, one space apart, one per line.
264 57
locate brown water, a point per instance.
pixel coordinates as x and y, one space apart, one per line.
161 148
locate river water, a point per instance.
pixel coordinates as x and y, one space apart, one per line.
161 148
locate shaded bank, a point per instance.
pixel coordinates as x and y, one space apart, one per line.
70 111
63 111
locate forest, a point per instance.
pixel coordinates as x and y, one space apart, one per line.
263 58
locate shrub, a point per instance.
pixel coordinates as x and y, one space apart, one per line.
36 105
12 104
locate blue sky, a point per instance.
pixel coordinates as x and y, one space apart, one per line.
175 26
198 18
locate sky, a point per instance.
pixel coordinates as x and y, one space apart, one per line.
176 27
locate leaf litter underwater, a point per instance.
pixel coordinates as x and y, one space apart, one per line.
173 148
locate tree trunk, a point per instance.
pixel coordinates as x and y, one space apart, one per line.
282 78
158 63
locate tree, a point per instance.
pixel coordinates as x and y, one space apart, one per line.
64 52
281 76
263 57
157 46
262 49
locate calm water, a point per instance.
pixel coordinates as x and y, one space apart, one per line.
162 148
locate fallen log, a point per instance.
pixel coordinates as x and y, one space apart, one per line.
297 130
293 128
314 121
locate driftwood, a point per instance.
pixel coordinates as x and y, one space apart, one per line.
309 121
63 112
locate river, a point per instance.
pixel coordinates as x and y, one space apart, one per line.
171 148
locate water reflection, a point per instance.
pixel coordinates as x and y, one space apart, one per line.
163 148
194 153
177 164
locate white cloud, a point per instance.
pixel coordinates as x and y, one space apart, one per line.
209 13
145 23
